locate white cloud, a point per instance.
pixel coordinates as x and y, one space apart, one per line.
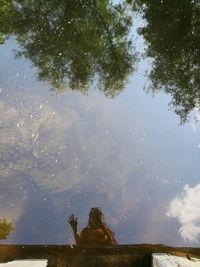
186 208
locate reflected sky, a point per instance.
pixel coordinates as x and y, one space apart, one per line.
65 152
185 207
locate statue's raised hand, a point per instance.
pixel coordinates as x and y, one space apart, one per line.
73 222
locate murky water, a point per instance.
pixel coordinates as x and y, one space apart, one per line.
80 127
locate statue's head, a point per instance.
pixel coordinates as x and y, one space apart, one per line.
96 218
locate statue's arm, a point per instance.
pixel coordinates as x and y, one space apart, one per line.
74 224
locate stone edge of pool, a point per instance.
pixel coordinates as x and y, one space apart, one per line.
71 255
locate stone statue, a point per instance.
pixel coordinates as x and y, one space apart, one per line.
96 233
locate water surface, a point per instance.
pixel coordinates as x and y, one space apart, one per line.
80 127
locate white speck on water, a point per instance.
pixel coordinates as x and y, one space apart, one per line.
40 106
20 124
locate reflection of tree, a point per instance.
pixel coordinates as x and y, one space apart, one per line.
5 228
71 42
172 33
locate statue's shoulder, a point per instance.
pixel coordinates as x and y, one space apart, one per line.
86 230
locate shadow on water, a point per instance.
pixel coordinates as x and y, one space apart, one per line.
72 43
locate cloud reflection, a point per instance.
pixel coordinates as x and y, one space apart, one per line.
185 207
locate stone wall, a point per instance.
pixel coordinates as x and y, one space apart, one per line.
73 256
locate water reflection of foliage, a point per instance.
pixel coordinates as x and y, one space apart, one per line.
72 42
172 33
5 228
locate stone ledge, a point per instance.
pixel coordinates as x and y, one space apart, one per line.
113 256
25 263
166 260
